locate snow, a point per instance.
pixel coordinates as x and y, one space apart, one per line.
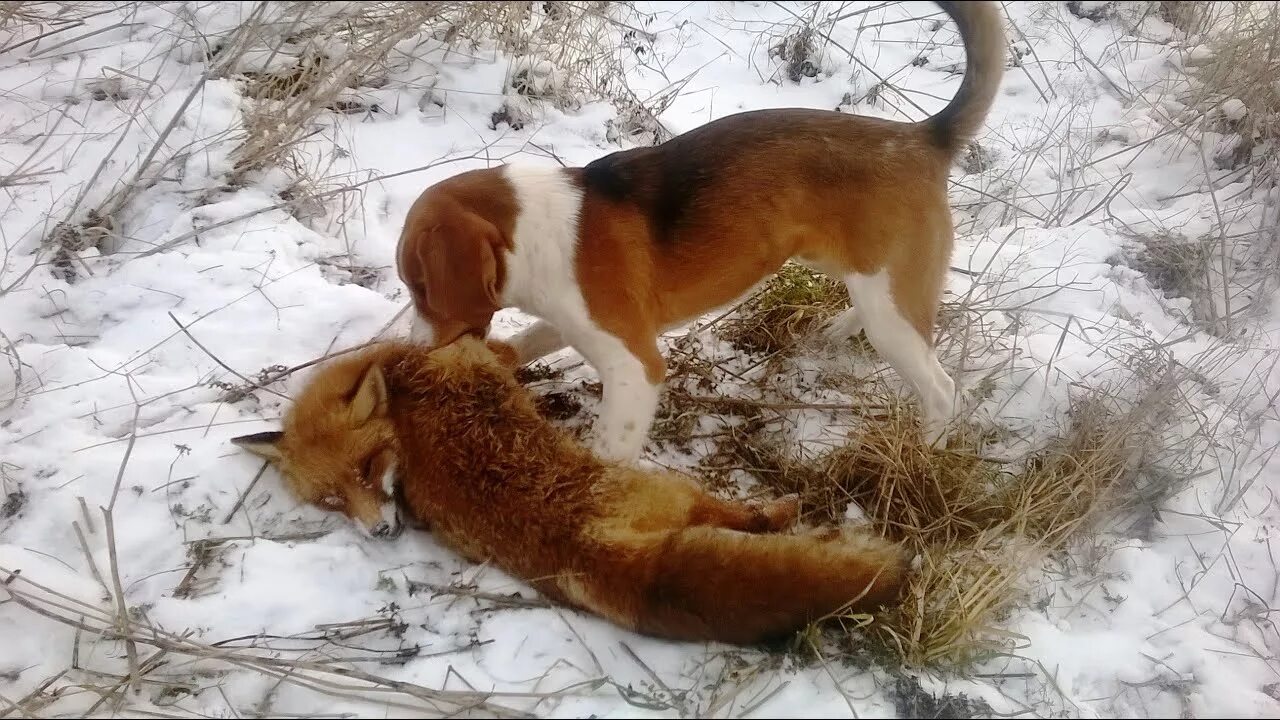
201 286
1234 109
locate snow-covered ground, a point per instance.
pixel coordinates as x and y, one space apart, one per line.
127 360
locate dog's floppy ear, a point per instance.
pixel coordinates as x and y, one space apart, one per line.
461 266
263 444
370 399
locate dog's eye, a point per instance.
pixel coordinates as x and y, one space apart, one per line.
332 501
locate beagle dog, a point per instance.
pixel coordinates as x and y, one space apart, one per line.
611 255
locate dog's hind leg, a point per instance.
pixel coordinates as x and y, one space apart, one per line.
844 326
902 334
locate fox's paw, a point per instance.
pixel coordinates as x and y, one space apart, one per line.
781 514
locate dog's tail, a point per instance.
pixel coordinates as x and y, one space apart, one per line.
716 584
984 48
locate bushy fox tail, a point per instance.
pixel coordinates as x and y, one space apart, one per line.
716 584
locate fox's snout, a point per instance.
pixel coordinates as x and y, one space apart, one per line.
386 530
383 524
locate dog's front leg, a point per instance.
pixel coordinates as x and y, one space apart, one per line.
630 395
420 331
537 341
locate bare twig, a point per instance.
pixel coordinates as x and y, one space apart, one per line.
240 500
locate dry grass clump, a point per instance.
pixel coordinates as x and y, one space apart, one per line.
995 523
798 47
799 54
1175 265
308 62
566 54
793 303
1240 75
977 524
302 60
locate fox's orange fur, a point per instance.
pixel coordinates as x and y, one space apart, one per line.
477 464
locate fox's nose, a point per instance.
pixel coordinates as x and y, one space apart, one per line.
385 529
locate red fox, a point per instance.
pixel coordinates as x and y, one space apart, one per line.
450 435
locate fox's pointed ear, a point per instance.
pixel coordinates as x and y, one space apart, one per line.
370 399
263 444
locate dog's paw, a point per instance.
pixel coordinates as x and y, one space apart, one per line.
935 434
855 515
611 450
915 564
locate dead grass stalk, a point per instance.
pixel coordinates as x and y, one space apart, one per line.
331 677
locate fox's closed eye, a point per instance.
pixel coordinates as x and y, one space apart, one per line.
367 468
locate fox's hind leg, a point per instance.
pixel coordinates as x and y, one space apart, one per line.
763 517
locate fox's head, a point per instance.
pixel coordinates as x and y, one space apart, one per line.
338 449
